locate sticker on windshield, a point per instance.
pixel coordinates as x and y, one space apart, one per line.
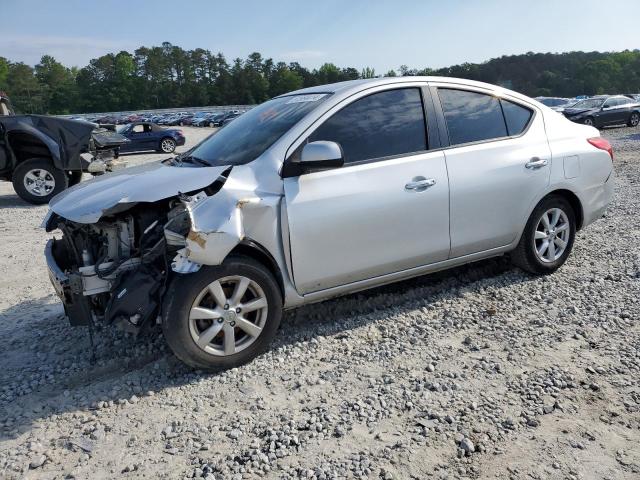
306 98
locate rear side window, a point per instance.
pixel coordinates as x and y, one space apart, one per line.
379 125
471 116
516 116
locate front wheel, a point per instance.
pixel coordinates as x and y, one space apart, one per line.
37 180
222 316
634 119
548 237
589 121
167 145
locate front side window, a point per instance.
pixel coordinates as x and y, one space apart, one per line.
471 116
380 125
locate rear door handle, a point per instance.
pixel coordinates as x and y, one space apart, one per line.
420 184
536 163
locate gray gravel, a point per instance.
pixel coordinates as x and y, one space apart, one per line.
479 372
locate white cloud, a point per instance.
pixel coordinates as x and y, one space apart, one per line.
70 51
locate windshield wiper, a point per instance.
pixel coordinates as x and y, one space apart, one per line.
194 160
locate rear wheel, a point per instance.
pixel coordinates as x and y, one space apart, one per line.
167 145
223 316
634 119
548 237
37 180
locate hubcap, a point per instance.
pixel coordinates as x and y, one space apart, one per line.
635 119
39 182
167 145
552 235
228 315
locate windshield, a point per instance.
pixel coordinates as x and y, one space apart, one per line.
247 137
122 128
589 103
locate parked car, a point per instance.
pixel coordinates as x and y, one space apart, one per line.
107 120
229 118
220 120
553 101
195 118
43 155
319 193
605 111
208 121
149 136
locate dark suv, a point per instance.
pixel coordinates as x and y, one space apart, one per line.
43 155
604 111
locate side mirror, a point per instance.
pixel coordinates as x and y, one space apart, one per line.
321 155
314 157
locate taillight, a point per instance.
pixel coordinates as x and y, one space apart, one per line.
602 144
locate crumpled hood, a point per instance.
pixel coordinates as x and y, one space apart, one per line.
87 201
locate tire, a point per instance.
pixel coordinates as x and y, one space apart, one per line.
589 121
634 120
193 290
526 254
211 125
74 177
27 173
167 145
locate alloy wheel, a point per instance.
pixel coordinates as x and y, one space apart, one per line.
167 145
39 182
228 315
552 235
635 119
588 121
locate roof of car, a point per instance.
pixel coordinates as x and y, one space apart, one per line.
357 85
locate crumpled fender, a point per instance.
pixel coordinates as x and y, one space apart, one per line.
218 221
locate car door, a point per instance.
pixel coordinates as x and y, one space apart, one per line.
385 210
498 161
613 112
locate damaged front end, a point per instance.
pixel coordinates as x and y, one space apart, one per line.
114 270
113 265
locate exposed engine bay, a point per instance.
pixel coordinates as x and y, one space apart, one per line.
116 270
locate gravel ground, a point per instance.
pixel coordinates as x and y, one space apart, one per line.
479 372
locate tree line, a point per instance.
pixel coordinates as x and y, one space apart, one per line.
169 76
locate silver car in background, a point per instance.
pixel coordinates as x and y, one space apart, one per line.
318 193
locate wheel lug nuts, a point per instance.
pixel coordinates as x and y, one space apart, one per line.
220 320
226 306
233 324
238 310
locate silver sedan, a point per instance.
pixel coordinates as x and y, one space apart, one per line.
319 193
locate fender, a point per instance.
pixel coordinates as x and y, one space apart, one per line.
26 129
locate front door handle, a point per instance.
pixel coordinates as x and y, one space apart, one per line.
419 184
536 163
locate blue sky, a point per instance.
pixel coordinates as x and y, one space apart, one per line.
358 33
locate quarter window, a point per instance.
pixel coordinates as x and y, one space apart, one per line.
516 117
471 116
379 125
